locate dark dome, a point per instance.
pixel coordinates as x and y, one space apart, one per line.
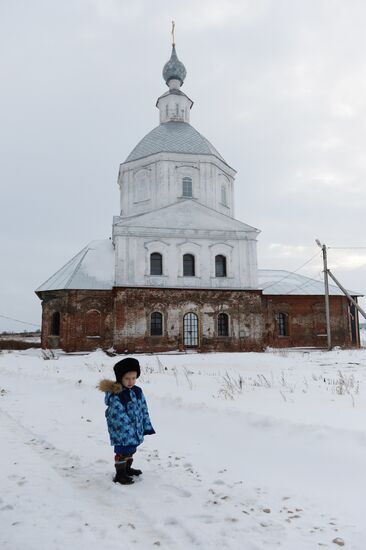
174 69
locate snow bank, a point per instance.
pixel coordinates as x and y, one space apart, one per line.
252 451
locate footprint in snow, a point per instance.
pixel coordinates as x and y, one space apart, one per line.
219 482
177 490
7 507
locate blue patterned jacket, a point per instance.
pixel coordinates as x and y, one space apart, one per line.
127 414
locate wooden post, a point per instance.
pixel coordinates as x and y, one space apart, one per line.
326 295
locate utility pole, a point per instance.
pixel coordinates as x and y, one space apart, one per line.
326 293
357 306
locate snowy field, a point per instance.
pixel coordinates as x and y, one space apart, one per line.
252 451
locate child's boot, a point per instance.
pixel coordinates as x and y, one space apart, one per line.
121 473
131 471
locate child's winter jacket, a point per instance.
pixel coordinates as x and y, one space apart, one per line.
127 414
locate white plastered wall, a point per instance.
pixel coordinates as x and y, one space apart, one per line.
133 262
149 184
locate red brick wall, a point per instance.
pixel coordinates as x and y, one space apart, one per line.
79 311
121 318
133 308
306 321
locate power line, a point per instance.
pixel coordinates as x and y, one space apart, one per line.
302 285
363 248
18 321
292 272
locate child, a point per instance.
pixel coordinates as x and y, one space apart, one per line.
127 417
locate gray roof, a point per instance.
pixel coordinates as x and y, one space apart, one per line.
280 282
173 137
93 269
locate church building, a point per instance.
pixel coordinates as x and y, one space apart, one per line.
179 271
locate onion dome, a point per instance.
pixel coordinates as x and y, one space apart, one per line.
174 69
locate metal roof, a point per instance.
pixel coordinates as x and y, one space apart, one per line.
93 269
280 282
173 137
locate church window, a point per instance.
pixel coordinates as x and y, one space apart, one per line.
92 323
156 264
55 324
282 324
188 265
223 195
156 324
190 330
220 266
223 324
187 187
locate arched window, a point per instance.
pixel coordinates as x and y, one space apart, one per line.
223 195
188 265
223 324
282 324
220 266
92 323
187 187
156 324
156 264
190 330
55 324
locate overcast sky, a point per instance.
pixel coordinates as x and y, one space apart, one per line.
279 88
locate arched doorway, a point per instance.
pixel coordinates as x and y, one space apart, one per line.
190 330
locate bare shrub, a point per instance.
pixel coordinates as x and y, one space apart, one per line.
48 354
230 387
187 375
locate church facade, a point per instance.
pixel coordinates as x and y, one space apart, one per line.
179 271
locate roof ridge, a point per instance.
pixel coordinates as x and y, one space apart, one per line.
63 267
77 267
195 204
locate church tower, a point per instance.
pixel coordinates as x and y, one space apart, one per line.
176 227
180 272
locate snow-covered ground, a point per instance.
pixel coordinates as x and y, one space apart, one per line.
252 451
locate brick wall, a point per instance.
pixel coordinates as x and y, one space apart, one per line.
134 306
82 314
306 321
91 319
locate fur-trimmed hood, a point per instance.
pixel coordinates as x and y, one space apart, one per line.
110 386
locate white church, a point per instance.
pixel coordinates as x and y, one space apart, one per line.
179 271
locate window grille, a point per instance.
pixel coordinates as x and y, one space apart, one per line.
220 266
156 324
156 264
188 265
187 187
282 324
223 324
190 330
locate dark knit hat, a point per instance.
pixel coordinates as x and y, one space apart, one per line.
124 366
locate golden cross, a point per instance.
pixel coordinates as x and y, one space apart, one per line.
173 38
